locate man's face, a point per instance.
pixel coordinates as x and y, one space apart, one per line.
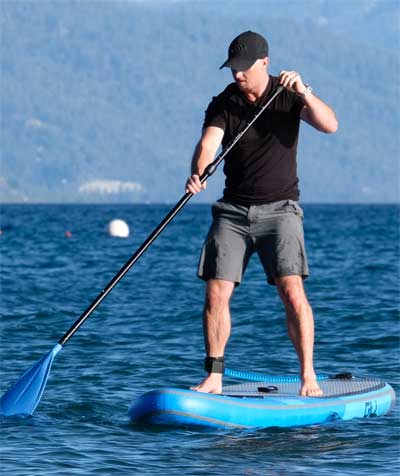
249 80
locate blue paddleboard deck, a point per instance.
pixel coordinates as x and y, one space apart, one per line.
270 402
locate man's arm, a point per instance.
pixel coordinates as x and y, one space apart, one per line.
203 155
315 111
318 114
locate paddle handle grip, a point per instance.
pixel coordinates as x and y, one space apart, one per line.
210 169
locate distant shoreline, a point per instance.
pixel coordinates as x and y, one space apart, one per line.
124 204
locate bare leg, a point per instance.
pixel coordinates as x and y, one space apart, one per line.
216 328
300 324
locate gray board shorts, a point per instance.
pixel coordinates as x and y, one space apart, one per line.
273 230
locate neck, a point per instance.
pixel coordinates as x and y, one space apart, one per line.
258 90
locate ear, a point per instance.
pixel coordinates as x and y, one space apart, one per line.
265 61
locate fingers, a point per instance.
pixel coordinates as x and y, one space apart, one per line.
193 184
291 80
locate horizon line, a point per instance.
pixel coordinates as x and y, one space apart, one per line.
173 203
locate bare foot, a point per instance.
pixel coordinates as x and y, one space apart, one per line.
310 387
211 384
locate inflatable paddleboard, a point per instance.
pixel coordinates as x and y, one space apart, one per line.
271 401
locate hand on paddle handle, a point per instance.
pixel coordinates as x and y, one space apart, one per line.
193 184
291 81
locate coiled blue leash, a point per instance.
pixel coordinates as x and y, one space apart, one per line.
256 377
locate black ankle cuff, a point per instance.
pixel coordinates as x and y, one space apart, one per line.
214 365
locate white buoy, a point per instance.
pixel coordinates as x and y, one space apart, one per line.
118 228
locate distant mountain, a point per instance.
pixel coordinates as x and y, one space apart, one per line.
103 101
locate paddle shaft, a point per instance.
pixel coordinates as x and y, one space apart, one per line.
210 169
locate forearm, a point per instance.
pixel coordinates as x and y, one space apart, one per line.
315 111
318 114
202 156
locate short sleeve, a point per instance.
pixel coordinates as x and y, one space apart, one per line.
215 114
298 105
291 103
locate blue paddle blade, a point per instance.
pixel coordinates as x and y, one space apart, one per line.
24 396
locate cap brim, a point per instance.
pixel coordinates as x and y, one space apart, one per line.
238 64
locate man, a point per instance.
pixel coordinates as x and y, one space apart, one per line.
259 211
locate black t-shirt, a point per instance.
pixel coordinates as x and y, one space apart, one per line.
261 167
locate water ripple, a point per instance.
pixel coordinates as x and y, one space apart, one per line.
147 334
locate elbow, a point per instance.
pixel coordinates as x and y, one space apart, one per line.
331 127
334 126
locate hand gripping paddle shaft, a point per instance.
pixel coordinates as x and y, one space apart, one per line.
24 396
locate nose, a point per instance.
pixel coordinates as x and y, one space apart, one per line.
237 75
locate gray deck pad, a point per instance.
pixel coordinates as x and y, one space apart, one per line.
330 387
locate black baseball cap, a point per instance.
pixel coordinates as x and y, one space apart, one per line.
245 50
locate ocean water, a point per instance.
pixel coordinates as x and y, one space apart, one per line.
147 334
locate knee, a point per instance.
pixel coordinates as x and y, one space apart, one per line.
293 296
218 293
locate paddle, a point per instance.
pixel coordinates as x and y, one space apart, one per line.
24 396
